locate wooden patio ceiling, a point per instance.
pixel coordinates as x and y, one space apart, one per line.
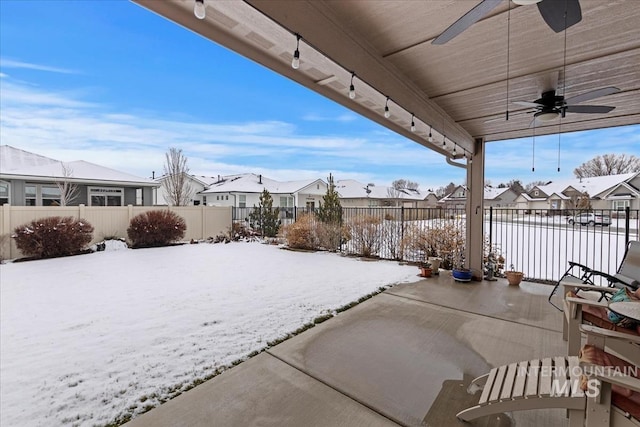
459 88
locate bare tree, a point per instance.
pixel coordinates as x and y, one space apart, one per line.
608 164
393 194
176 181
68 190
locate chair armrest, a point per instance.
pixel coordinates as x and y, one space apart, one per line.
607 333
582 301
614 377
609 278
586 287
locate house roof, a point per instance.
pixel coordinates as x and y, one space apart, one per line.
491 193
352 189
252 183
594 186
22 164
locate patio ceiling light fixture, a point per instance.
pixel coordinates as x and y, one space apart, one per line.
295 63
352 89
413 123
199 9
387 114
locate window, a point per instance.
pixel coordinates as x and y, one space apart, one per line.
536 193
204 200
30 195
217 197
620 205
227 197
286 202
242 201
105 196
50 196
4 192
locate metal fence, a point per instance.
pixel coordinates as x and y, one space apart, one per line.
538 242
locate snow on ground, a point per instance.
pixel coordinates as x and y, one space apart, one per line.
86 339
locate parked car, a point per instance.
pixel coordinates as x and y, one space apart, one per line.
590 219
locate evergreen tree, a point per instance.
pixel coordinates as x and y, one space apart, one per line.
330 210
264 217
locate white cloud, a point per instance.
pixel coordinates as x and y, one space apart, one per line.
10 63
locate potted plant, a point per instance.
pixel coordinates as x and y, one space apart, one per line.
425 269
435 264
514 277
459 272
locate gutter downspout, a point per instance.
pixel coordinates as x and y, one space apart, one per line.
456 164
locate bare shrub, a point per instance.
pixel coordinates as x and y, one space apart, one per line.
302 233
53 237
156 228
365 234
445 240
392 239
331 236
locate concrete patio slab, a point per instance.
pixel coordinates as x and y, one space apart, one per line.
411 361
263 391
526 304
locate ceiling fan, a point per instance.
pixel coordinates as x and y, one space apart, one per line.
552 11
551 105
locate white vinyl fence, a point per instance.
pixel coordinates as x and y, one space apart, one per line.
111 221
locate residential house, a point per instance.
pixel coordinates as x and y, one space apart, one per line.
29 179
496 197
356 194
601 192
244 190
195 183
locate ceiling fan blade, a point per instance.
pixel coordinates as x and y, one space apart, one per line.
467 20
552 12
592 95
588 109
527 104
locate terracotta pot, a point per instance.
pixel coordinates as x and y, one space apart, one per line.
514 277
426 271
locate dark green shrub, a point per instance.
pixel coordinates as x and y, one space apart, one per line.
53 237
156 228
264 217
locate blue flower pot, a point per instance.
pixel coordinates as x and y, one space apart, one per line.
461 275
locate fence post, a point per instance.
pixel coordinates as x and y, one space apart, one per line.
402 223
81 210
490 227
627 225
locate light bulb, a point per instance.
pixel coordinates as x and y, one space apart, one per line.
444 142
199 9
454 150
413 127
295 63
352 92
387 114
430 136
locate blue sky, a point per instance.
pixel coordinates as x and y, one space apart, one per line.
112 83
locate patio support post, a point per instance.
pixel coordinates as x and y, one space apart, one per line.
475 210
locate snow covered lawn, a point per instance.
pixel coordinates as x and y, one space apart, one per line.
90 338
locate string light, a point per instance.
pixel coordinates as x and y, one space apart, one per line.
454 150
430 136
352 89
295 63
387 114
199 9
444 141
413 124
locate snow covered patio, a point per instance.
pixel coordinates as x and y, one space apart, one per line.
404 357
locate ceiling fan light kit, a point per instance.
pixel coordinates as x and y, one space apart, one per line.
526 2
